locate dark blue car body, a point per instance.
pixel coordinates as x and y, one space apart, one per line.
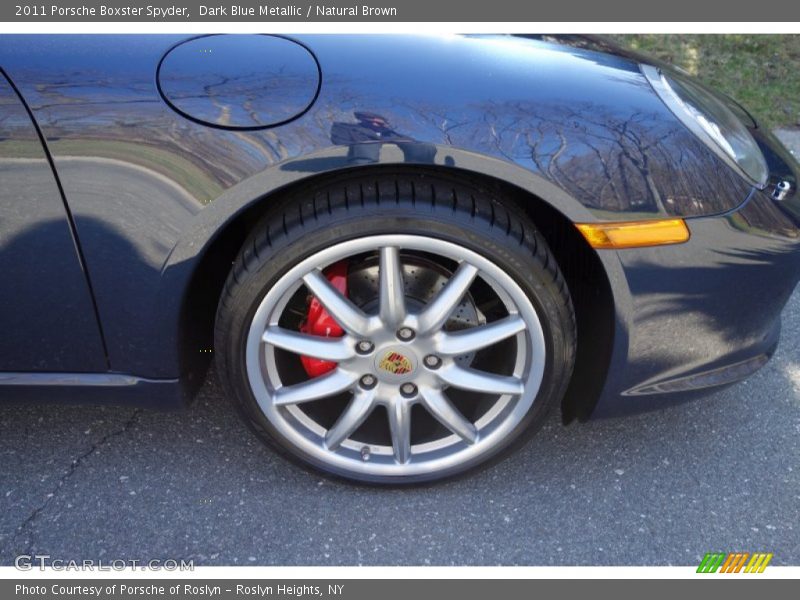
131 168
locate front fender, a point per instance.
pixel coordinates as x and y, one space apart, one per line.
149 189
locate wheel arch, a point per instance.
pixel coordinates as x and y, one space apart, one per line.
200 263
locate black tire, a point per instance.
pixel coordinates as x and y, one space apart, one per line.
352 206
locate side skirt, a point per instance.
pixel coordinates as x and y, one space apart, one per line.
93 388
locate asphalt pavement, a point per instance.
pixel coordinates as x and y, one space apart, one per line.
718 474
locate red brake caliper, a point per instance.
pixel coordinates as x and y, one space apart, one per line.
320 322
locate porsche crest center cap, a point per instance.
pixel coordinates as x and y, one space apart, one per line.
395 363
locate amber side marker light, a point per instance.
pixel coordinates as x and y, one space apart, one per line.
634 234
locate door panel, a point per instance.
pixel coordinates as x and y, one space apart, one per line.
47 320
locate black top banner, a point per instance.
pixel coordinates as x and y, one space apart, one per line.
404 11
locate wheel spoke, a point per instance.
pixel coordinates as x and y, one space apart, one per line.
392 291
479 381
354 415
326 385
335 349
434 315
448 415
400 427
470 340
349 316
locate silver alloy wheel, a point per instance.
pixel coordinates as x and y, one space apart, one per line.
408 359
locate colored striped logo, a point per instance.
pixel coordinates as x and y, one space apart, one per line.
395 363
734 562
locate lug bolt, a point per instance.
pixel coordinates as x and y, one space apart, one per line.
408 390
364 347
432 361
405 333
368 381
